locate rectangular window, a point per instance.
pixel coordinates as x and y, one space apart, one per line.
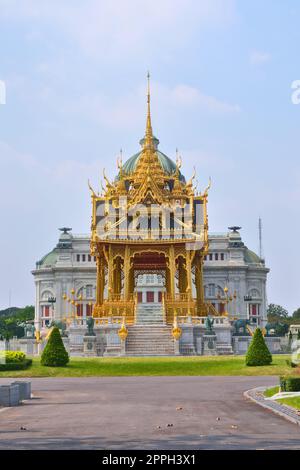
78 258
140 297
253 310
221 308
89 291
150 296
222 256
95 259
210 257
211 290
83 258
46 311
205 258
89 258
79 310
89 310
160 296
216 256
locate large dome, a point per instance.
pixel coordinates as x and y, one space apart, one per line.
168 165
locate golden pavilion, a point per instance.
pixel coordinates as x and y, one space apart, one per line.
150 222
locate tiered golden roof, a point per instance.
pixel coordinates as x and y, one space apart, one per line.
146 219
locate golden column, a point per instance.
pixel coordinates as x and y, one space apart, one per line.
188 273
182 275
100 280
110 273
199 284
172 272
126 273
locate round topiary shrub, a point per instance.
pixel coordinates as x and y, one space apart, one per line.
258 353
290 384
54 353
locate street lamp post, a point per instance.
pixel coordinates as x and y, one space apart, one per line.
247 299
73 300
226 300
52 301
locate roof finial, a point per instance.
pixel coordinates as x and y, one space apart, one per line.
149 134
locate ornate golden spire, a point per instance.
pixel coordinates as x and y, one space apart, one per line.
149 133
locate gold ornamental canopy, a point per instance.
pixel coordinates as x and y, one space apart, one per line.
149 219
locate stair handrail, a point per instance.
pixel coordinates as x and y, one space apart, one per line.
164 308
135 299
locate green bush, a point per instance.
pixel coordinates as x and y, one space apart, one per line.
54 354
258 353
16 365
290 384
14 356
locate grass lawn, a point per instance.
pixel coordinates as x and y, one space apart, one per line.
294 402
271 391
199 365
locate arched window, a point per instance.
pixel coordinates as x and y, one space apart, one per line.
213 290
46 294
254 293
87 292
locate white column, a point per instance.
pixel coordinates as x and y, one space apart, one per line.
37 316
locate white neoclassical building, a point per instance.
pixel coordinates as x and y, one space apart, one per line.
229 265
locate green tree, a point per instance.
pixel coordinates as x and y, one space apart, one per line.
290 340
281 329
296 316
258 353
277 313
54 354
10 319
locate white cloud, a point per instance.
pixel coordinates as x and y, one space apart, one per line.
187 96
259 57
109 29
126 112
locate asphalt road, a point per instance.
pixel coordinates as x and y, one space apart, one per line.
134 413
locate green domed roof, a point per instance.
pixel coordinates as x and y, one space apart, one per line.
168 165
49 259
251 257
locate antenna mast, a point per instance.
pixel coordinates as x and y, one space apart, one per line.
260 238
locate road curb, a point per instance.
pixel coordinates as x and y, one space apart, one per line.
286 412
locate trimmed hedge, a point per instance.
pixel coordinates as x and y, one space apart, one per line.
258 353
14 356
290 384
55 354
16 365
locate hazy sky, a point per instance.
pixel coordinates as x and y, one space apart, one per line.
75 76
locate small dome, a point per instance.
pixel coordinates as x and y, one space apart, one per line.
251 257
168 165
49 259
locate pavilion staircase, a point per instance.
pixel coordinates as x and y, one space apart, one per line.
150 340
150 336
149 314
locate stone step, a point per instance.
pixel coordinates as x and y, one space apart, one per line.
150 335
150 340
148 328
150 344
150 354
149 314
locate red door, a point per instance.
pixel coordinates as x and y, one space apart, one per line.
150 296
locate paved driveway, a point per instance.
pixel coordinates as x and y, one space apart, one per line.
134 413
